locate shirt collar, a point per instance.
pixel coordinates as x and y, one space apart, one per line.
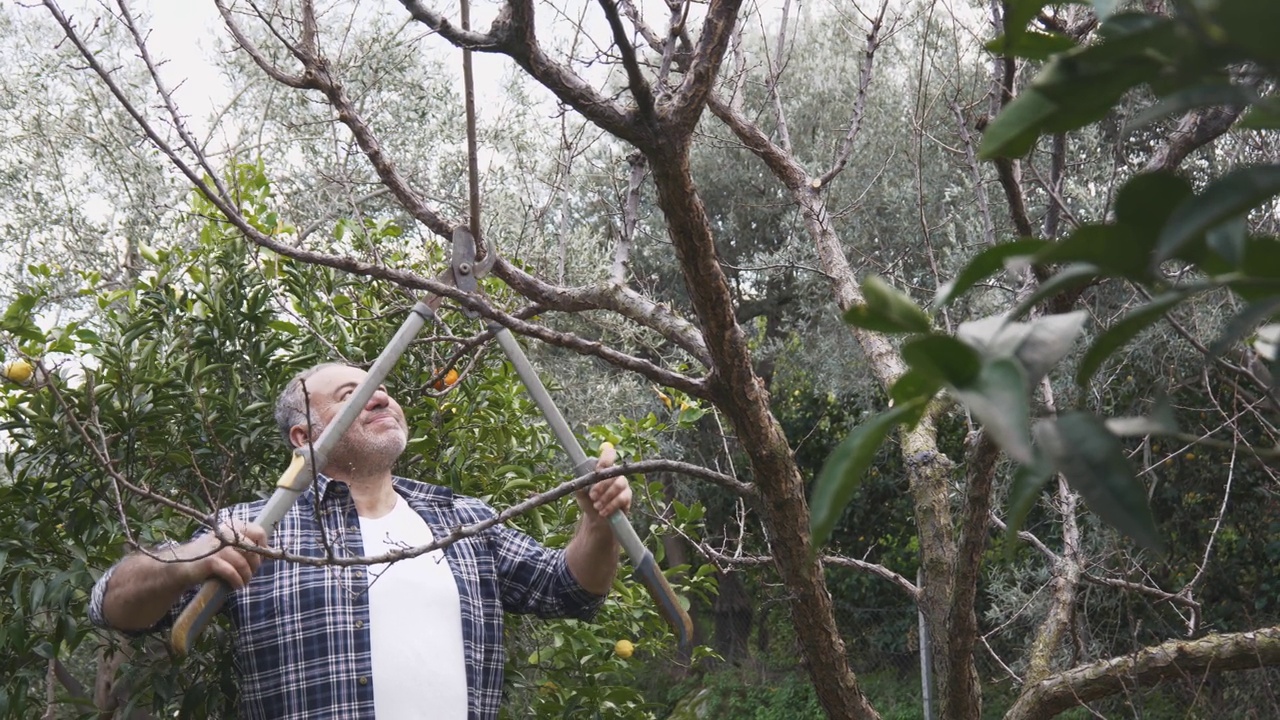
409 489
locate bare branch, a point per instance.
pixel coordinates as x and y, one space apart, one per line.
685 106
860 99
776 64
630 209
1195 130
618 298
640 89
481 42
1057 168
512 34
251 49
675 33
721 559
1169 660
317 72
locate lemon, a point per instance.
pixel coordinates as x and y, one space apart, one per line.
624 649
18 371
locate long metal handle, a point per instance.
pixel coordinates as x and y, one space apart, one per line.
295 480
646 569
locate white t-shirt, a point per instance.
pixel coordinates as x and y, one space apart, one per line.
415 624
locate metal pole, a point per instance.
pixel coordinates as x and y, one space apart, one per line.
926 655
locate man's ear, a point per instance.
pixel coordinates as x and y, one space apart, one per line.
298 436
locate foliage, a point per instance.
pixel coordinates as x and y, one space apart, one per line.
1176 242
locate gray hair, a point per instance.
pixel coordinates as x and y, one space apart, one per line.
292 405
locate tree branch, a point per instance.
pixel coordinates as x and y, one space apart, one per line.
639 87
685 105
512 34
1170 660
860 98
630 210
251 49
722 559
776 64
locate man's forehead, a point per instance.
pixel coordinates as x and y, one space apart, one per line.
332 377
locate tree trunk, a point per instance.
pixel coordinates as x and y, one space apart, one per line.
741 395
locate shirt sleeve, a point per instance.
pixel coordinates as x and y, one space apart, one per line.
533 579
98 597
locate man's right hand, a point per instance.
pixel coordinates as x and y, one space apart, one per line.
145 586
215 555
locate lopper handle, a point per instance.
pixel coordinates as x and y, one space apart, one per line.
646 569
196 616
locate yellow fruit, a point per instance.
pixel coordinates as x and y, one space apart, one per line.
18 371
1190 456
624 649
547 688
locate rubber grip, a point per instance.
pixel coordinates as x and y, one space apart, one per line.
197 614
650 575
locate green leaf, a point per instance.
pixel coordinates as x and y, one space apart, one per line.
985 264
1264 115
886 309
998 399
1095 465
1072 276
847 465
1244 323
1013 132
942 358
1123 331
1250 26
1161 421
1143 206
1028 482
912 386
1230 240
1032 45
1018 14
1114 249
1207 95
1037 345
1234 194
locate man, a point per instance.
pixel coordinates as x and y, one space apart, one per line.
419 638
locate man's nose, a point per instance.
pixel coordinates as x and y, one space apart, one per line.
378 400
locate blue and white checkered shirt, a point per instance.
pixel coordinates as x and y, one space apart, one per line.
301 632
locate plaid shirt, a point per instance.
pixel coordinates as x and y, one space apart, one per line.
301 631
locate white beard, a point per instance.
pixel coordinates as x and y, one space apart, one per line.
366 450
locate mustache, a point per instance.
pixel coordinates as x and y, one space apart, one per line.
379 414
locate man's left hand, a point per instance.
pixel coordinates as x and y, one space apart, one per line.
612 493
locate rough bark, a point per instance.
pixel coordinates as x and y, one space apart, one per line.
1170 660
742 396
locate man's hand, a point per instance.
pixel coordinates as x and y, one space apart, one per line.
143 588
592 554
215 556
612 494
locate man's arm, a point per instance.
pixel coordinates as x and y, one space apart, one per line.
141 588
592 554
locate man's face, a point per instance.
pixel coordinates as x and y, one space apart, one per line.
378 435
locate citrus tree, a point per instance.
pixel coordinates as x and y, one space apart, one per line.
129 427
